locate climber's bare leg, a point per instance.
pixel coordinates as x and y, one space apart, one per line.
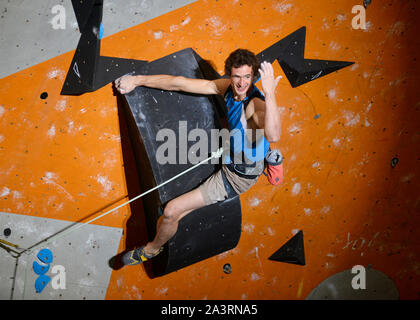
174 211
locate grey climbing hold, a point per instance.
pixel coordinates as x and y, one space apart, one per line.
227 268
394 162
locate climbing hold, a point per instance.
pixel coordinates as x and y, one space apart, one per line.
101 31
40 269
7 232
45 255
292 251
227 268
317 116
366 3
44 95
289 52
89 71
394 162
41 282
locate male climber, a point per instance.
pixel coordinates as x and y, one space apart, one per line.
247 108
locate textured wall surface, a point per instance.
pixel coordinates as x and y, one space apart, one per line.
33 31
62 157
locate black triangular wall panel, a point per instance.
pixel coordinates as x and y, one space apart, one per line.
292 251
289 52
299 73
82 72
280 48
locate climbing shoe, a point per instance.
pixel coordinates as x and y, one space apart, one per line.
138 256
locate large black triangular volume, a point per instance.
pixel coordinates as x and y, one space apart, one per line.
284 46
82 72
292 251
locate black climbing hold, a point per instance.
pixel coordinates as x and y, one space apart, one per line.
289 52
366 3
44 95
394 162
89 71
227 268
7 232
292 251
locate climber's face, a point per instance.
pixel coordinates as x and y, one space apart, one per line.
241 80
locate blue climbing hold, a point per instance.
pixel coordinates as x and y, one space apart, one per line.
40 269
41 282
101 31
45 255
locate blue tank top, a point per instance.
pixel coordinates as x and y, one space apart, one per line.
239 144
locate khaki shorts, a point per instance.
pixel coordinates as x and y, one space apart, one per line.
213 189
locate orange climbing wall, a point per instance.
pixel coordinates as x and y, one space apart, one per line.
62 157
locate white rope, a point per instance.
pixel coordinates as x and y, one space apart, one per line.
216 154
